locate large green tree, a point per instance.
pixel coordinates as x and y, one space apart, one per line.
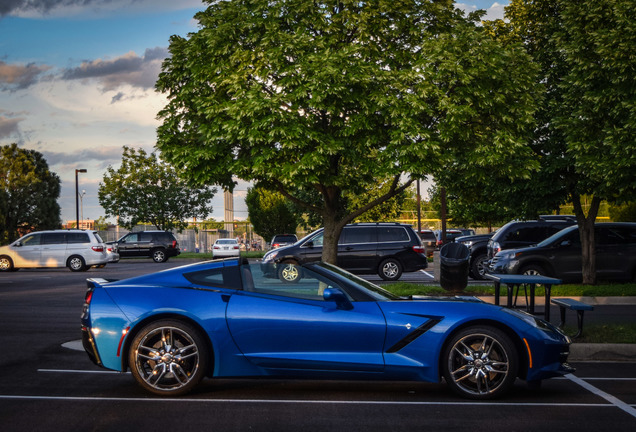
327 96
28 193
145 189
586 134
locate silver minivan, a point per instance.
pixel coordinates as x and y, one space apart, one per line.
76 249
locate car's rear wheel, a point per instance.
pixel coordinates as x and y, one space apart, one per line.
480 363
6 264
289 271
534 270
168 357
159 255
390 269
478 266
76 263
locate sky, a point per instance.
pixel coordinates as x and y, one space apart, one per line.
77 84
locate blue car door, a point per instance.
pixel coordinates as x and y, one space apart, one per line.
290 326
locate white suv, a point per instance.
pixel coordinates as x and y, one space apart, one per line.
76 249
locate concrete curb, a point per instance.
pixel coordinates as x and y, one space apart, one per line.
602 352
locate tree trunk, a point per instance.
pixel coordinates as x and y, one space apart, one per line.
586 232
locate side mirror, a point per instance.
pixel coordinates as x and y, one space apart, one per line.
309 244
17 244
566 243
334 294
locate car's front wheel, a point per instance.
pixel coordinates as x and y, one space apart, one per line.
159 255
76 263
480 362
168 357
6 264
289 272
478 266
390 269
534 270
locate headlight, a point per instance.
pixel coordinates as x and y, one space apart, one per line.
533 321
269 256
508 255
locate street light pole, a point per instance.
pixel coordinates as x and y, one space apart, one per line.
77 197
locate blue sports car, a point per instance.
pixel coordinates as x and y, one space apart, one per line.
226 319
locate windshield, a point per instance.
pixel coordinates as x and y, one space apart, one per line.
376 292
557 236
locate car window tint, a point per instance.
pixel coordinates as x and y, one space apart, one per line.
611 236
354 235
32 240
311 286
219 277
131 238
317 240
392 234
145 237
53 238
77 238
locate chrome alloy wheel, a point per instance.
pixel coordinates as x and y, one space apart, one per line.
289 272
167 359
481 363
390 269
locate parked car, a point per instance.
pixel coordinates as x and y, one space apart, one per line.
282 240
387 249
451 235
158 245
76 249
429 241
225 248
477 245
518 234
225 318
559 256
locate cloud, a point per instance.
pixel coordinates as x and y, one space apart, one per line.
17 76
140 72
495 11
93 8
9 126
106 155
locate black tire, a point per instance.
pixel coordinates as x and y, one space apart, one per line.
76 263
159 255
289 272
6 264
390 269
168 357
534 270
480 362
478 266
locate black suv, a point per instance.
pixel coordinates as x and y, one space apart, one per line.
387 249
158 245
517 234
477 245
560 255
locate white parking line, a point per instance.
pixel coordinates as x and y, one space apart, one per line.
608 397
309 401
427 274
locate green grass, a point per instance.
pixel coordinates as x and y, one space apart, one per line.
604 333
574 290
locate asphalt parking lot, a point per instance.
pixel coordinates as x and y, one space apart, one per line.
47 383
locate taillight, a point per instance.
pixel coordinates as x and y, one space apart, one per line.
419 249
275 245
88 297
174 244
236 247
98 248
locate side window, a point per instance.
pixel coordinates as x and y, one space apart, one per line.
310 287
355 235
32 240
220 277
317 240
145 237
610 236
77 238
392 234
53 238
131 238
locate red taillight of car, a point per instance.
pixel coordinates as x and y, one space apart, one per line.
419 249
216 247
174 244
236 247
275 245
98 248
88 297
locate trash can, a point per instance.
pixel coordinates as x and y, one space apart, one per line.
453 266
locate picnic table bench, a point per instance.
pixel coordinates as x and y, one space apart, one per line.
575 305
